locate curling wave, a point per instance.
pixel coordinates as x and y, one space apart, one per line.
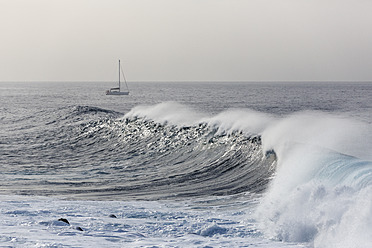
90 153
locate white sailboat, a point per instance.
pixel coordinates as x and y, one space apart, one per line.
116 90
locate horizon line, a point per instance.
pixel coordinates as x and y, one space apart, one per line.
186 81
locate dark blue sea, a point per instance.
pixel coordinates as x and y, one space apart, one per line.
186 164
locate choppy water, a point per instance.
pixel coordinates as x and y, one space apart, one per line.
282 156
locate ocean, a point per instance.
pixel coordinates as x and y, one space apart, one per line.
186 164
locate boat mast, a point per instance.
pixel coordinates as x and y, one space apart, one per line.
119 74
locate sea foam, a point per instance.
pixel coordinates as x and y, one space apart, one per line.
322 183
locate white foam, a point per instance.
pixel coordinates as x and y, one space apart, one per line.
315 196
33 222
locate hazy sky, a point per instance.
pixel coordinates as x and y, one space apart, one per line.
182 40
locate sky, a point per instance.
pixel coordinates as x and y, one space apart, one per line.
186 40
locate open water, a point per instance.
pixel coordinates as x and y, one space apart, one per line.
192 164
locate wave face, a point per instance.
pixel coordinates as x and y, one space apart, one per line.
91 153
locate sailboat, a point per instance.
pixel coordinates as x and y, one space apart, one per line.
116 90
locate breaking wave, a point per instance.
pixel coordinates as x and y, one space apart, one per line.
311 171
322 181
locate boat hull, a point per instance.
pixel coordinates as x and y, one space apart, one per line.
117 93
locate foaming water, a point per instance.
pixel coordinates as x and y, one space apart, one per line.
322 183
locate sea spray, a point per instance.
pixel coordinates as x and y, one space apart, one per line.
233 120
168 112
247 121
319 193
